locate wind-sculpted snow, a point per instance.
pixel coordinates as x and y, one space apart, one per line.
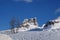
36 35
5 37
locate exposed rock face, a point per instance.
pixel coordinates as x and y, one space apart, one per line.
28 22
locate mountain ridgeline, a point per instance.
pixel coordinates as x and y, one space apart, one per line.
32 24
30 30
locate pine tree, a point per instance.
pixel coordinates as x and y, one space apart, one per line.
18 25
13 24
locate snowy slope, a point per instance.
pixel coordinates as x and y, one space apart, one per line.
5 37
35 35
54 26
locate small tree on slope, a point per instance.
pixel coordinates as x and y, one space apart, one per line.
13 24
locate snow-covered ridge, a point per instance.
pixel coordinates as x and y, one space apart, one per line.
56 25
28 24
32 24
52 24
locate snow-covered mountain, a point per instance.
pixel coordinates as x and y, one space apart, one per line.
57 24
28 24
34 32
52 24
32 24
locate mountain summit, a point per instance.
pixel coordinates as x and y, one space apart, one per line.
52 24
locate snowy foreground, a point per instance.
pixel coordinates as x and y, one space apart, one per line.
35 35
5 37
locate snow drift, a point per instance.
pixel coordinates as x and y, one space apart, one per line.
5 37
35 35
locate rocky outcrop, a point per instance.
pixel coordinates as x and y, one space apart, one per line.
28 22
52 24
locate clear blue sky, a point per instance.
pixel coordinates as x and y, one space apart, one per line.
44 10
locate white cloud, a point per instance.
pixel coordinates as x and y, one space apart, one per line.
57 10
28 0
24 0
